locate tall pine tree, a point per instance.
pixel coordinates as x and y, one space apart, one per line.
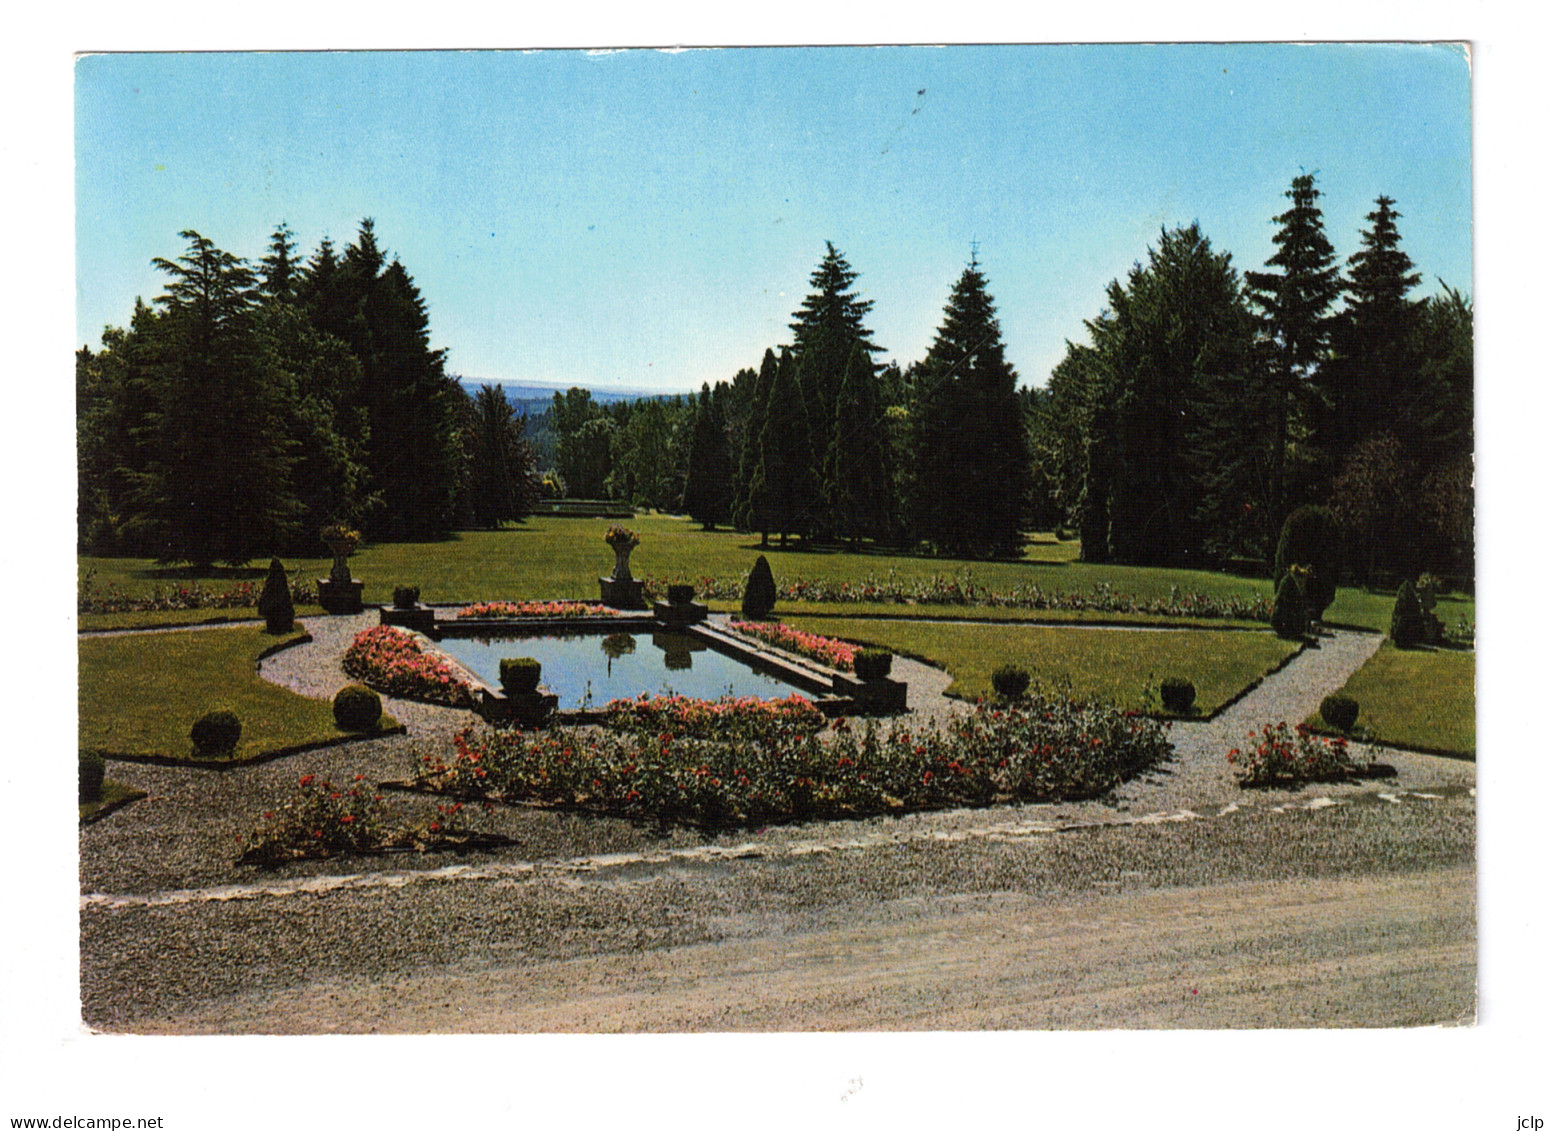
857 470
972 463
1370 375
1296 302
709 476
751 505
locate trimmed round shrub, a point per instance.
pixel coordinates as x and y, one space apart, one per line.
520 675
215 734
275 599
91 768
1177 695
1340 711
760 591
357 707
406 596
872 663
681 594
1310 537
1289 609
1010 682
1408 618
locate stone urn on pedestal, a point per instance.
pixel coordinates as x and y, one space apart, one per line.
620 590
340 593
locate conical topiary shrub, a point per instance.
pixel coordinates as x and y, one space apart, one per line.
760 591
1408 623
275 599
1289 609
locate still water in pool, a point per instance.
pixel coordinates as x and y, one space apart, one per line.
621 665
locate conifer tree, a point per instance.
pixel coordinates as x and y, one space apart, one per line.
1295 302
972 463
751 508
857 471
281 274
708 479
1371 374
217 486
785 444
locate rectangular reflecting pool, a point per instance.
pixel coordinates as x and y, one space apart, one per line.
586 669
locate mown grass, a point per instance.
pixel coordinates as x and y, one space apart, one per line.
113 793
1418 698
1113 666
140 694
99 622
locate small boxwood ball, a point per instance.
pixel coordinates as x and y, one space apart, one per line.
1340 711
1177 695
216 733
1011 682
357 707
520 675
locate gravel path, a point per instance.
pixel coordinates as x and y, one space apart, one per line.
401 943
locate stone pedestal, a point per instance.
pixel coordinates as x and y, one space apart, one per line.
623 593
340 598
679 616
872 696
418 617
524 709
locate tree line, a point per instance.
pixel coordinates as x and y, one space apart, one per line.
250 405
1206 406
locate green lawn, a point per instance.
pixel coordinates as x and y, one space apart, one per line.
551 557
140 694
1093 663
113 793
1416 698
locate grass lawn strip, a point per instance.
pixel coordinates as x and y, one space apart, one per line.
1416 699
170 618
115 795
139 694
1114 667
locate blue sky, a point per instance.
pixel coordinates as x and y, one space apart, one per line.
650 219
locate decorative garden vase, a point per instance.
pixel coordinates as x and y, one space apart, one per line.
622 562
341 570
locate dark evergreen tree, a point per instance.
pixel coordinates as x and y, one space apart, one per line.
827 329
709 476
217 486
751 505
1370 376
970 458
1171 351
857 469
785 468
503 483
1296 302
280 270
1310 540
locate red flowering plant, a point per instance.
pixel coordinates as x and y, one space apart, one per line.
489 610
391 661
1281 754
833 653
766 768
325 820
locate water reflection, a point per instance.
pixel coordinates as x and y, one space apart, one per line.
614 646
677 648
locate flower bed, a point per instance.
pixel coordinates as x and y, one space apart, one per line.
392 662
706 718
326 820
782 771
832 653
243 595
489 610
1282 754
960 590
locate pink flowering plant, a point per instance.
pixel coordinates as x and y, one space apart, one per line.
707 718
833 653
1281 754
496 610
780 768
324 820
391 661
